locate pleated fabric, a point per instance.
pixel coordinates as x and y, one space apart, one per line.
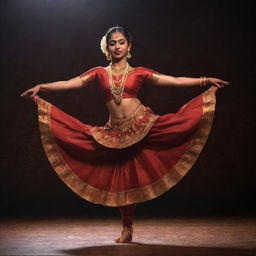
143 171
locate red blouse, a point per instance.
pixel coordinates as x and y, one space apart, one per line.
135 79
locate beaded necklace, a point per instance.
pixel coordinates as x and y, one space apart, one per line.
117 90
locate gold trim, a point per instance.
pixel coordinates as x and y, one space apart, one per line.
130 130
131 196
86 78
155 77
131 70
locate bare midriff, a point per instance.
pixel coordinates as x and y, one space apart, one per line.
126 108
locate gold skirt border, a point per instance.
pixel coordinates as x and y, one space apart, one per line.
132 196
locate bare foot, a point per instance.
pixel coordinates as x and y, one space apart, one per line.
126 235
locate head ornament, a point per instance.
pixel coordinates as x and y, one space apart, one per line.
103 43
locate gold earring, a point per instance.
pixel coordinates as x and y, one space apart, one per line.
128 56
108 56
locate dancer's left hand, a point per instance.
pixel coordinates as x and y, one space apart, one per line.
216 82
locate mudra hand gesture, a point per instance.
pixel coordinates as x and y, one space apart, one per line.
216 82
32 92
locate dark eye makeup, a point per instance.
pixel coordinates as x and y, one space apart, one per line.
113 42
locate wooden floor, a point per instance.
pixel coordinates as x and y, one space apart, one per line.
153 237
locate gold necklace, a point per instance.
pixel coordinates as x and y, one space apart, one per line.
117 90
117 71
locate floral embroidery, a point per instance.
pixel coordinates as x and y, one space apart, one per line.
122 133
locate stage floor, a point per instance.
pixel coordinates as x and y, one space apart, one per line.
153 237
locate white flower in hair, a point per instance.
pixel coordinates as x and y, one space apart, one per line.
103 45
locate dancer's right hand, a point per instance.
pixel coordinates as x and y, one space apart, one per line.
32 92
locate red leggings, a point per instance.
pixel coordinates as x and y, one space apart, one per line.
127 213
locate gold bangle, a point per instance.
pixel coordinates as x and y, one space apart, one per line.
203 81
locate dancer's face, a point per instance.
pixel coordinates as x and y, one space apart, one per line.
118 46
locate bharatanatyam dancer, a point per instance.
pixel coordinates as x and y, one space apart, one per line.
137 155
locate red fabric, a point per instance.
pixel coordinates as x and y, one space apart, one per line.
117 170
132 85
127 214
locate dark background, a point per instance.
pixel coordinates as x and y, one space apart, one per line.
47 41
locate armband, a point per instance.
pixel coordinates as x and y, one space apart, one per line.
155 78
87 77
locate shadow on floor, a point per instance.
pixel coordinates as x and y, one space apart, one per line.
135 249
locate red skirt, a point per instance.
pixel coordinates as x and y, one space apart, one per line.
90 162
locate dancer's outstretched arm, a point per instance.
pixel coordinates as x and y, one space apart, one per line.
74 83
165 80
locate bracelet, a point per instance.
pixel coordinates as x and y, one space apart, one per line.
203 81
